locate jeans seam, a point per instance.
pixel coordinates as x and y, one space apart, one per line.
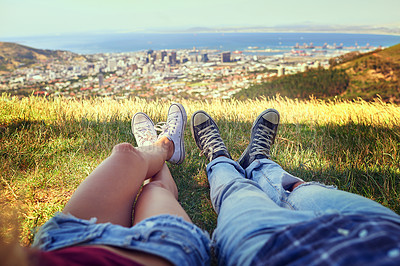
280 197
269 181
288 204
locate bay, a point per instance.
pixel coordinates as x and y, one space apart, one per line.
131 42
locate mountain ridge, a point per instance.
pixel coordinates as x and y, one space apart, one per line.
387 29
14 55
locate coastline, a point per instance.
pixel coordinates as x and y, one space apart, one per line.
233 40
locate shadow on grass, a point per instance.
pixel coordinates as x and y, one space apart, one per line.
360 158
37 159
357 158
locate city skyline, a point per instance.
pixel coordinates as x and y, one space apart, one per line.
47 17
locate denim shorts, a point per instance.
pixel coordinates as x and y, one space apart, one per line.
167 236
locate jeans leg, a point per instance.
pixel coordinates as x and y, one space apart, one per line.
246 215
310 196
272 179
322 199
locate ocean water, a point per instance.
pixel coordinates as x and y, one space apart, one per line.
131 42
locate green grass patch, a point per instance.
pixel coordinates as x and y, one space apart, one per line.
47 147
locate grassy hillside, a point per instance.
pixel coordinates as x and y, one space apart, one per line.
320 83
391 54
14 55
352 76
372 74
47 147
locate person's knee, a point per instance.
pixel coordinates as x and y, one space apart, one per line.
159 184
130 153
124 147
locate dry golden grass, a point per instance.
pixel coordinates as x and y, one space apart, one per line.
292 111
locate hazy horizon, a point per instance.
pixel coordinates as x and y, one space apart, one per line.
47 17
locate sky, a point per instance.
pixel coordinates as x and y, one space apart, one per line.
57 17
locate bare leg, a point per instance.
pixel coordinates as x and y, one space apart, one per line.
296 185
160 196
108 193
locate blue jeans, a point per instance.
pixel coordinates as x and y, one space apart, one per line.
167 236
254 203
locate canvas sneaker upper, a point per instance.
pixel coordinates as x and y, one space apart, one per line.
174 130
207 137
262 137
143 129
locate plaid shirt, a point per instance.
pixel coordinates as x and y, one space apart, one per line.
334 239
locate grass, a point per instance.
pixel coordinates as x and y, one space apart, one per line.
47 147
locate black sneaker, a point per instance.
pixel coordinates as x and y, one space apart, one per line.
262 137
206 135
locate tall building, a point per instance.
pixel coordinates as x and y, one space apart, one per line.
193 57
204 57
173 58
112 65
163 55
101 80
225 57
160 56
167 59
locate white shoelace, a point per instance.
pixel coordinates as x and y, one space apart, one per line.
262 141
143 134
213 143
165 127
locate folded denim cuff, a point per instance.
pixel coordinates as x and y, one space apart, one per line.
224 159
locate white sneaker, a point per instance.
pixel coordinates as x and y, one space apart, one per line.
143 130
174 130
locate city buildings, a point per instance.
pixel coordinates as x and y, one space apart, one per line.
166 74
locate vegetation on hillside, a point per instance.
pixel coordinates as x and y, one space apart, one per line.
351 76
13 55
48 146
320 83
372 74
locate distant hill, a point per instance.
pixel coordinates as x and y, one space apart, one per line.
390 29
14 55
351 76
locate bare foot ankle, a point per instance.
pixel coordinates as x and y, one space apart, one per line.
167 144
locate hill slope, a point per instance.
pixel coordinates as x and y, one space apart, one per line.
373 73
320 83
13 55
351 76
